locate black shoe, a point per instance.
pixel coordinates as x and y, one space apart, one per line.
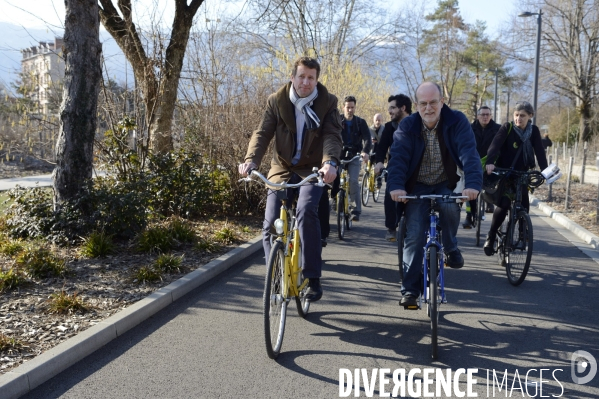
314 292
454 259
323 242
489 244
355 217
468 223
409 301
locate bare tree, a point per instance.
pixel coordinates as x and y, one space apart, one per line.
81 51
158 76
571 29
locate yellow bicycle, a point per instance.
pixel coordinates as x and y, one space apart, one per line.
344 218
284 280
369 184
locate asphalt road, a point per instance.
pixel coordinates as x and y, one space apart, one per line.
210 343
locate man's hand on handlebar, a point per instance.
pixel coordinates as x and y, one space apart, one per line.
471 193
244 168
378 167
329 173
395 194
490 168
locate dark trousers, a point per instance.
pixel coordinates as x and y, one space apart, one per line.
500 212
308 224
390 211
324 213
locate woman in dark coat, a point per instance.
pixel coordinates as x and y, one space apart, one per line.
502 151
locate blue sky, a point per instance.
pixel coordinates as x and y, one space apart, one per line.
33 13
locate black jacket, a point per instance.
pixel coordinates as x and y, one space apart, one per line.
484 136
505 146
360 135
385 141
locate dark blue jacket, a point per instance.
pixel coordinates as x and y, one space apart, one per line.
408 148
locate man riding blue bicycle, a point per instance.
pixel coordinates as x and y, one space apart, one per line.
428 149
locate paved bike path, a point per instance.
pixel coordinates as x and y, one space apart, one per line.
209 344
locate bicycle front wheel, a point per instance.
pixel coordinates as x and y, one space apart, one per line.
275 305
480 214
365 188
341 214
433 298
520 249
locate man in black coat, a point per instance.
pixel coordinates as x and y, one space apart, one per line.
484 129
400 106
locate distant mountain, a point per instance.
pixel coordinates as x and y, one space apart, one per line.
14 37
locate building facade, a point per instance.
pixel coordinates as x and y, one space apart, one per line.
42 69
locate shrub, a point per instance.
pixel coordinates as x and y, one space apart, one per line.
225 235
11 247
156 239
62 302
168 263
206 246
7 343
11 279
181 231
41 263
147 275
97 244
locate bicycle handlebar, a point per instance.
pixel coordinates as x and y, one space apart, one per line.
314 175
434 196
343 162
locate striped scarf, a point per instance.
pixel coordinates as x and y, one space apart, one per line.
303 105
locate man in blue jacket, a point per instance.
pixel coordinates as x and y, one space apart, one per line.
428 149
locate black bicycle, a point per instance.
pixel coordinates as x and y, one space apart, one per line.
514 240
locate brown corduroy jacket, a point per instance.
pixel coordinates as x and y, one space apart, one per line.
319 145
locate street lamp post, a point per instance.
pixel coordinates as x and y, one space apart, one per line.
507 113
495 100
537 58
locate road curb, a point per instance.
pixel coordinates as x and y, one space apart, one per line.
559 217
40 369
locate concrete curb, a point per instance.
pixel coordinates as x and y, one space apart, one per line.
575 228
40 369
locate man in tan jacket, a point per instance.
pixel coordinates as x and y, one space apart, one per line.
304 121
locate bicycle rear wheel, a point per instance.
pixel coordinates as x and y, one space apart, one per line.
376 194
433 298
275 305
365 188
341 214
520 249
480 214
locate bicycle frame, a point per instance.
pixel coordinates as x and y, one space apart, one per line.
289 235
433 239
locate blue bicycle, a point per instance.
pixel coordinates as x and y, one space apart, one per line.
432 294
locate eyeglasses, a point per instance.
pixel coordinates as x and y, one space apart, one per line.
485 114
424 104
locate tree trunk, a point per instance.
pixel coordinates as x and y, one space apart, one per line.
78 114
159 92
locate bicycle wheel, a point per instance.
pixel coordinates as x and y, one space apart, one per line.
275 305
400 238
501 241
365 188
480 214
433 298
376 194
520 249
348 215
341 214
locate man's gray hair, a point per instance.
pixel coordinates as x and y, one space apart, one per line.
524 106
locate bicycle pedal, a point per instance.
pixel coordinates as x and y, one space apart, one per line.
411 307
